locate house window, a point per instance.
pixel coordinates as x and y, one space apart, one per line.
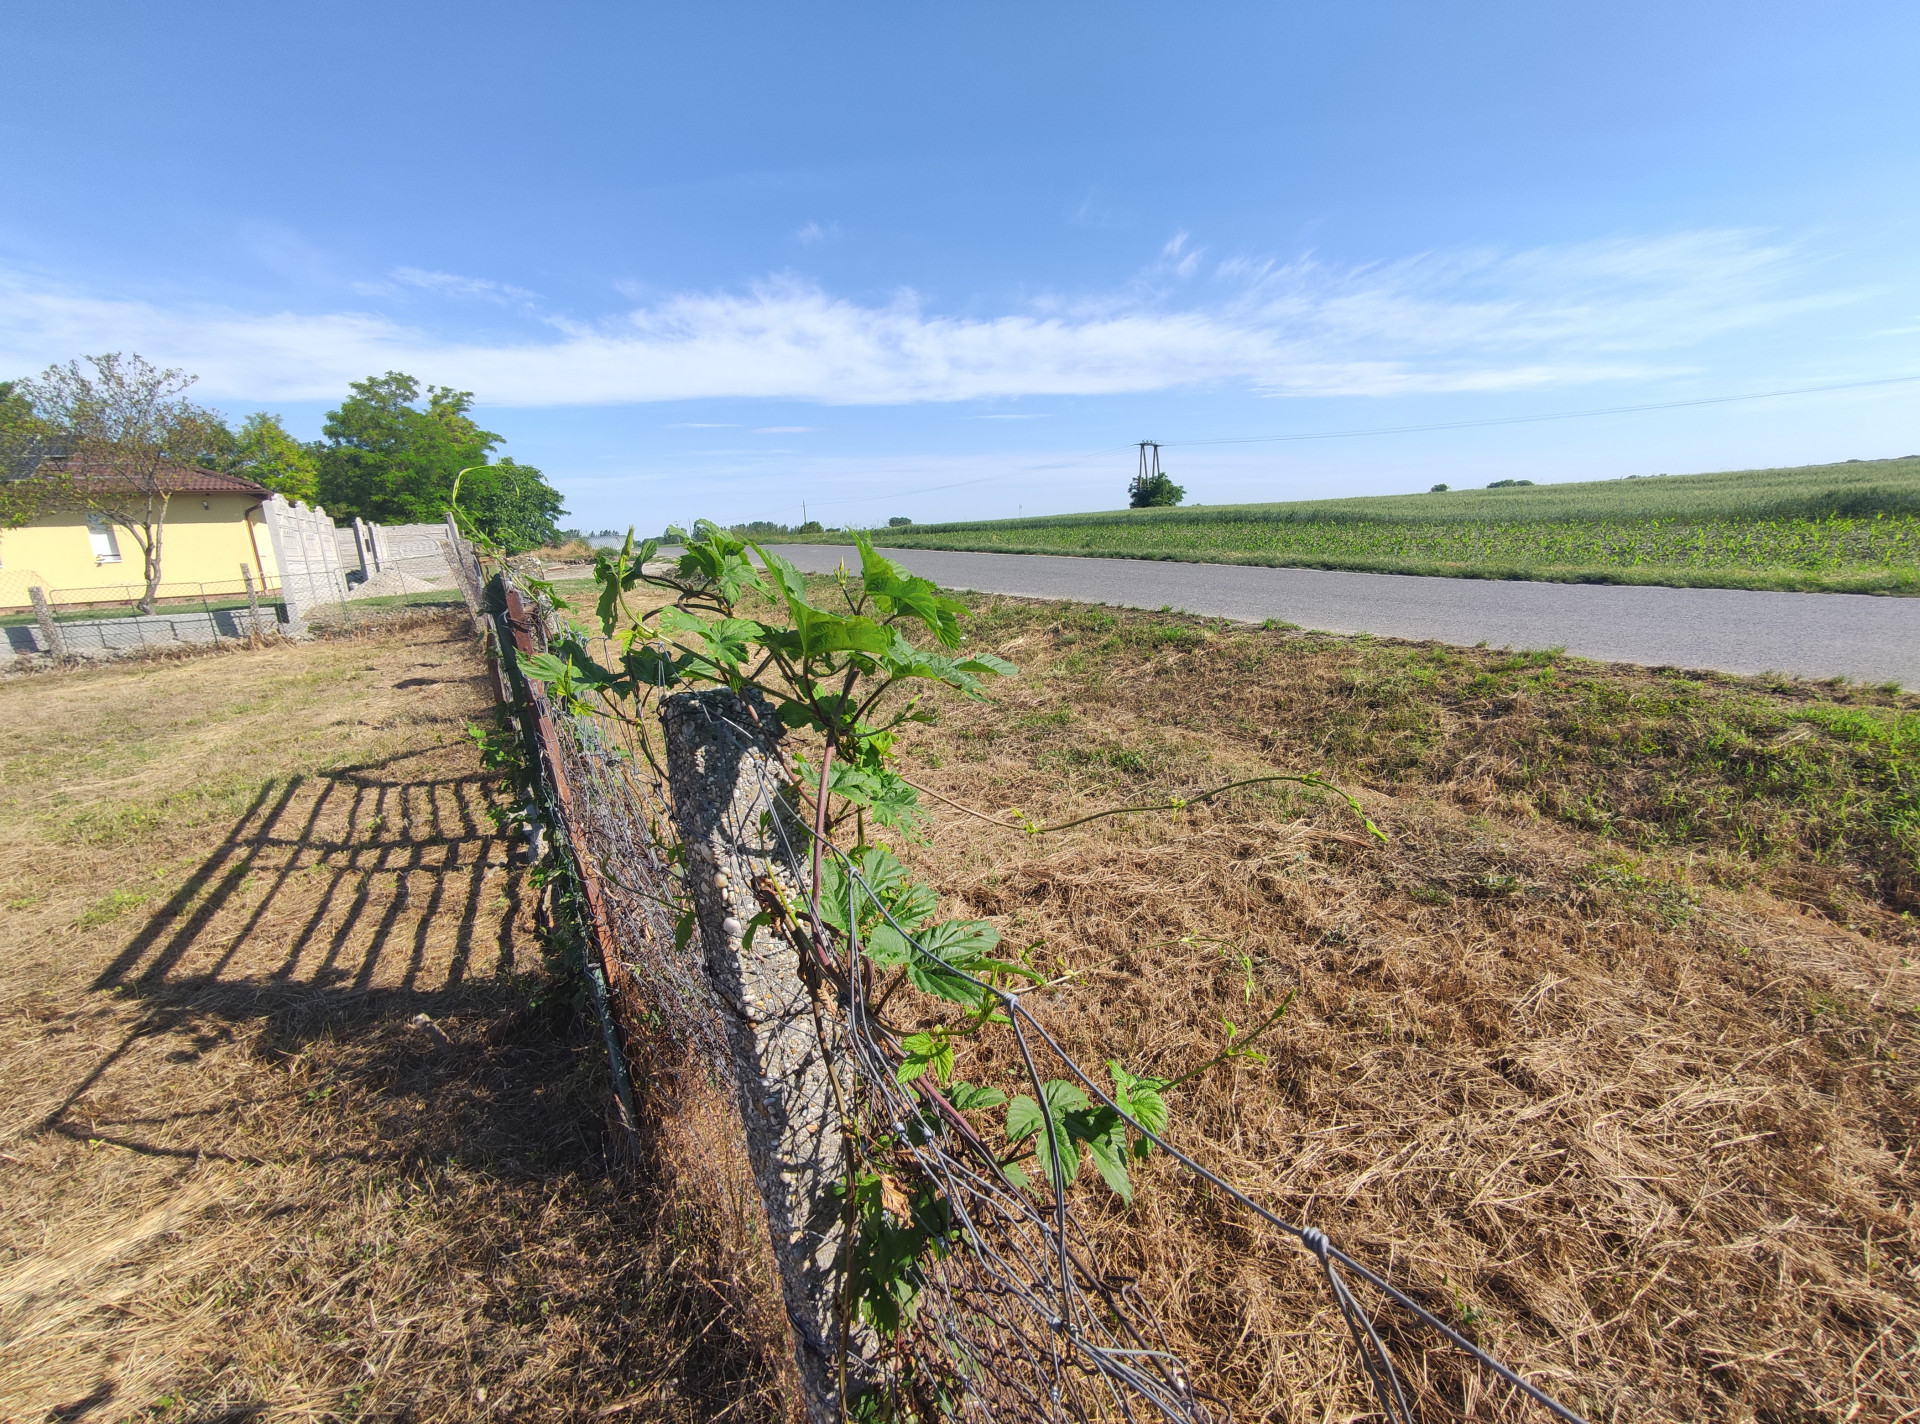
106 548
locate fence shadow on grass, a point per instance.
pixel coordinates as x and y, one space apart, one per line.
344 902
338 908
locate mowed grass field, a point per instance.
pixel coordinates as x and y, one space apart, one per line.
1609 1054
241 1176
1852 527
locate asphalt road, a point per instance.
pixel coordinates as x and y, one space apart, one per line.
1731 630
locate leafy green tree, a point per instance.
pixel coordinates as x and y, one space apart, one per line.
1154 492
262 451
125 429
26 488
385 458
512 504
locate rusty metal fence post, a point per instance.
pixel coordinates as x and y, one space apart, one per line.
517 633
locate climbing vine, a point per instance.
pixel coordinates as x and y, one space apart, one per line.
848 673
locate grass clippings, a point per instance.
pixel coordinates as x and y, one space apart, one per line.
296 1126
1608 1056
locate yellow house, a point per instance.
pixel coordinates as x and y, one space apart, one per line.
213 528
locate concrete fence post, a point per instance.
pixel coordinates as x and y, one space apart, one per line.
49 630
255 631
727 789
363 548
289 556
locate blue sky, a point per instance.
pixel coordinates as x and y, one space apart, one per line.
951 261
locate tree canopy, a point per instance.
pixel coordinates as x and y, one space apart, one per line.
25 442
261 450
122 427
1155 491
384 457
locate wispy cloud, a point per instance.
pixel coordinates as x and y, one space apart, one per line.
1481 320
813 233
449 284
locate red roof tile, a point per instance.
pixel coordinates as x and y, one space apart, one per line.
174 479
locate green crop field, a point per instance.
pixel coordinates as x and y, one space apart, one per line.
1852 527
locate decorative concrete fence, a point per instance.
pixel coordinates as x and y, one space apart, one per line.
306 548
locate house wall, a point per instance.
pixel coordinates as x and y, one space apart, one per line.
205 542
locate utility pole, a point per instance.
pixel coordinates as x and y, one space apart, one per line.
1149 474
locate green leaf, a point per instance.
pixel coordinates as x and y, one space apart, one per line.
886 946
959 943
616 573
931 978
932 1049
1105 1134
1026 1118
790 583
715 558
895 591
1140 1098
966 1097
543 667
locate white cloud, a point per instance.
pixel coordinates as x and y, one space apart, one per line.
450 284
812 233
1458 321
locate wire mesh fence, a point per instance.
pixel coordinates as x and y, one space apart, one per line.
105 619
1009 1307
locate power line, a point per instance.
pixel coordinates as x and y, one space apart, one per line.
1384 430
982 479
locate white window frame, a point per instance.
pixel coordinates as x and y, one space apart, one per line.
106 544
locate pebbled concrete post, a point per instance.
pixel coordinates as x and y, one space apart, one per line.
256 630
726 780
49 630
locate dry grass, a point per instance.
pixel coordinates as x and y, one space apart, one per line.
237 1179
1609 1055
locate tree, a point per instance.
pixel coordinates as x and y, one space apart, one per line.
1155 491
899 521
126 429
262 451
384 458
512 504
27 488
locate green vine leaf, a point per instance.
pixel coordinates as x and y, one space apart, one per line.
966 1097
1028 1118
929 1050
